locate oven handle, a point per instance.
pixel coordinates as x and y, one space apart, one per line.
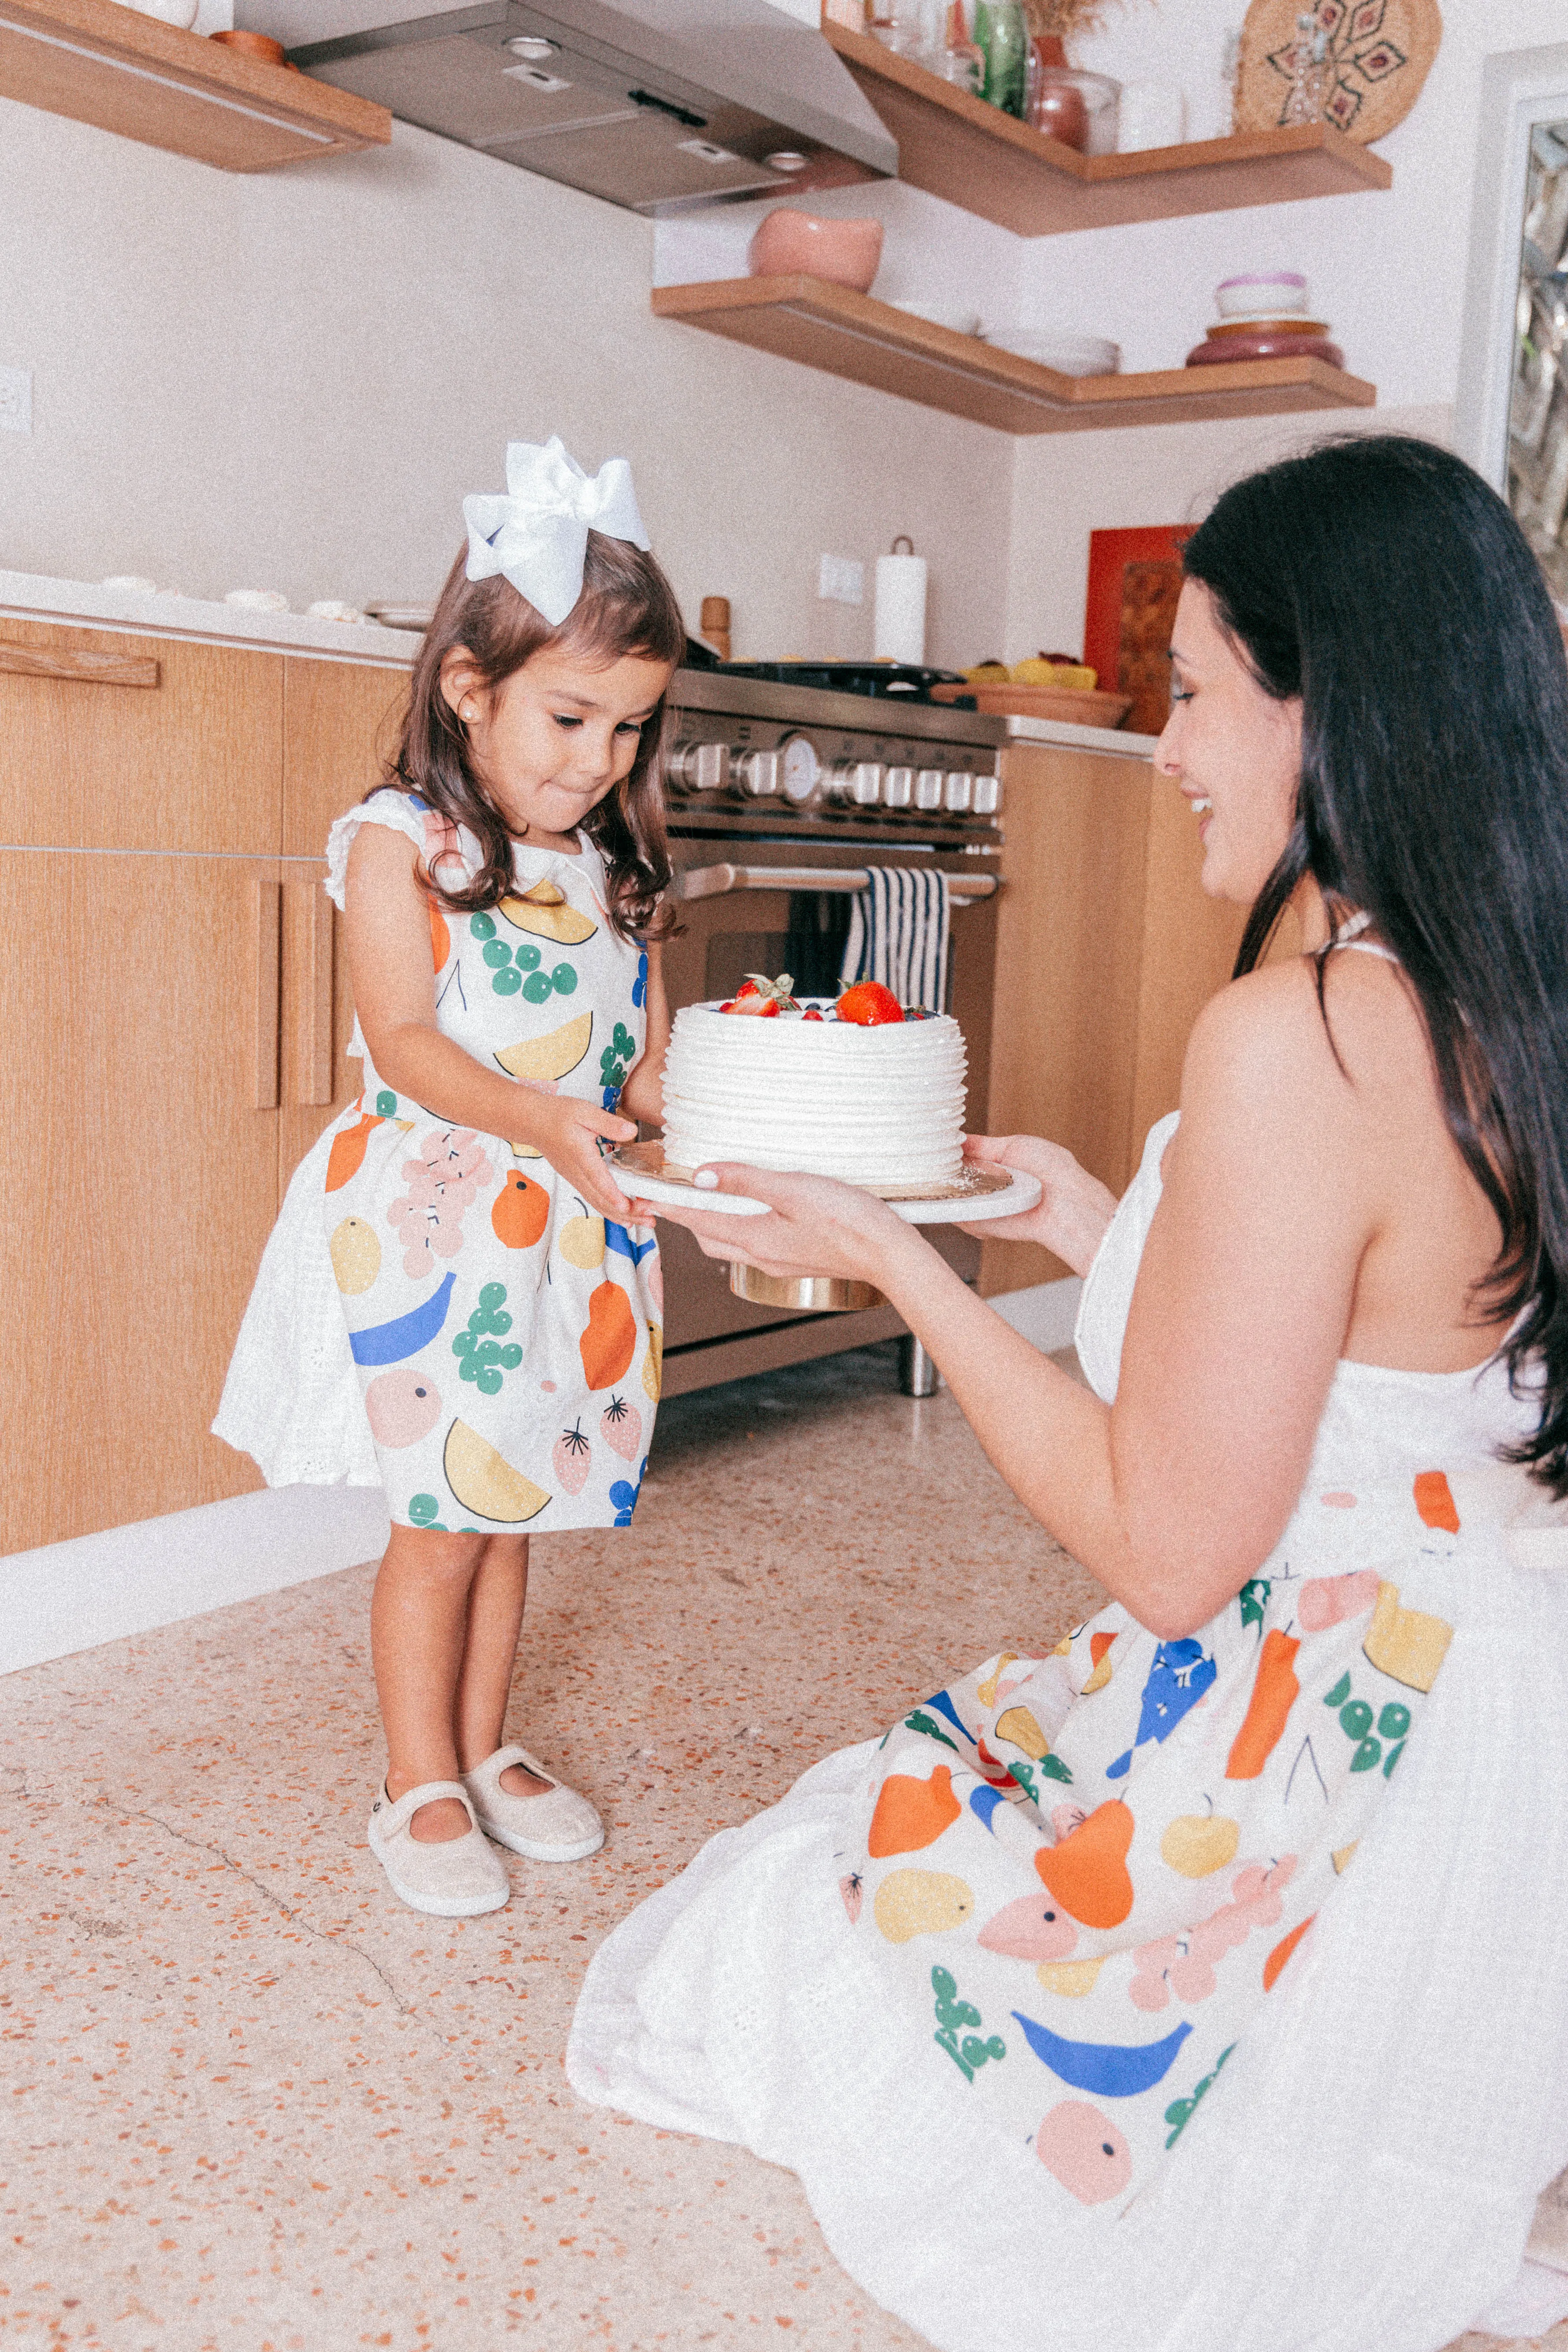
717 881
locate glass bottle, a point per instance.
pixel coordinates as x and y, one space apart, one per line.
957 60
1001 36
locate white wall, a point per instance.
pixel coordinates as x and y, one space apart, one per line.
1063 488
289 381
1387 271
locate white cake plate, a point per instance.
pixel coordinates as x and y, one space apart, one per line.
976 1196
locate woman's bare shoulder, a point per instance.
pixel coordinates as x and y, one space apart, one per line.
1269 1040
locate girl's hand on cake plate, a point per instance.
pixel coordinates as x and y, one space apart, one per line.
817 1225
1070 1217
574 1137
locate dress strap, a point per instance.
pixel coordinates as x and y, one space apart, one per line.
1349 936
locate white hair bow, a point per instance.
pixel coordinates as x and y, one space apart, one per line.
537 533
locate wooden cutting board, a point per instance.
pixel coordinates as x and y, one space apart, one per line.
1078 708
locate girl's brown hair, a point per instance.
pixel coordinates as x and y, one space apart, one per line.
626 608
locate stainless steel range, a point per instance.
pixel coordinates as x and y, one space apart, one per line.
780 796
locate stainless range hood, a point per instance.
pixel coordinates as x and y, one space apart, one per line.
657 105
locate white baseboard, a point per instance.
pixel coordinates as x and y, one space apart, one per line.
1044 1314
72 1596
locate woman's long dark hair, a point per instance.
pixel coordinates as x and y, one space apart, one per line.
626 606
1384 583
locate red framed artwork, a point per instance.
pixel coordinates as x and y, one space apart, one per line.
1135 580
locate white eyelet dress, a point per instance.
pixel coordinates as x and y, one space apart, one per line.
1195 1996
437 1309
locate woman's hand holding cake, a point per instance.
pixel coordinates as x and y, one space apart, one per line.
818 1226
1071 1215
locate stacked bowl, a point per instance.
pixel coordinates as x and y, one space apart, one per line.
1263 316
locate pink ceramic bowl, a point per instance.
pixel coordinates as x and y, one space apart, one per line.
846 252
1266 343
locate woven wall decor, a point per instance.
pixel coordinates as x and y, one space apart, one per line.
1379 53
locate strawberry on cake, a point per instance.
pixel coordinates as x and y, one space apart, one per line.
863 1088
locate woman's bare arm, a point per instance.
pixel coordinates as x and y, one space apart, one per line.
1173 1495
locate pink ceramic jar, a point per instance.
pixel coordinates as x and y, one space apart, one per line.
845 252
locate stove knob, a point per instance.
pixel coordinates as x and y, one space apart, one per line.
699 767
929 785
987 795
898 788
857 782
957 793
755 774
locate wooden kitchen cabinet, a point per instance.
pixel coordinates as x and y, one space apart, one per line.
339 726
114 742
341 723
140 1088
1107 952
176 1012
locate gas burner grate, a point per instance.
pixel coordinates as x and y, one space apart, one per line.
882 681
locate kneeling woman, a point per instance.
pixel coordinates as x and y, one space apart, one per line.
1205 1981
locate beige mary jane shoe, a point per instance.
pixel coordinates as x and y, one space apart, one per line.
456 1878
556 1826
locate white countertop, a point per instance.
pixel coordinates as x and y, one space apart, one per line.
1112 742
31 596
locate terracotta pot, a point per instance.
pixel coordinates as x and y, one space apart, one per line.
845 252
255 45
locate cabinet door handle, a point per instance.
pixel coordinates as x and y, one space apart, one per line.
83 664
266 942
310 983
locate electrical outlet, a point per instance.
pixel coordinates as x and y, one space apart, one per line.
15 400
840 581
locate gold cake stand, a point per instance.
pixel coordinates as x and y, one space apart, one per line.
978 1193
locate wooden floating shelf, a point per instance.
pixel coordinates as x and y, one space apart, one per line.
870 342
957 147
103 63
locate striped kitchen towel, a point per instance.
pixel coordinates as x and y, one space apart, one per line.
899 935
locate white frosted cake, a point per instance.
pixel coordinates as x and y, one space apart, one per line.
879 1106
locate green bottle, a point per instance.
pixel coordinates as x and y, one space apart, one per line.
1002 37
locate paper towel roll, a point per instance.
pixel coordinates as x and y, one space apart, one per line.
900 614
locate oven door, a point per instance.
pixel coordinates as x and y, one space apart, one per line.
741 907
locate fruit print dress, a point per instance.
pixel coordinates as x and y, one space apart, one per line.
503 1336
1172 1993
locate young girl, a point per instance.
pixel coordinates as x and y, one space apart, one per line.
491 1314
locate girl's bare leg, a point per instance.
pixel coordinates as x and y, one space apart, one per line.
496 1599
418 1633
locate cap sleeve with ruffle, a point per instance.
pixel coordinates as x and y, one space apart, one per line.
434 836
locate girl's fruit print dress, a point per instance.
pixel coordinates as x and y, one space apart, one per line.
503 1336
1209 1992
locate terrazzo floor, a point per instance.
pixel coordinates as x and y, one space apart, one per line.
248 2101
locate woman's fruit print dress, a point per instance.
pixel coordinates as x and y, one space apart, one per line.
1206 1995
506 1335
